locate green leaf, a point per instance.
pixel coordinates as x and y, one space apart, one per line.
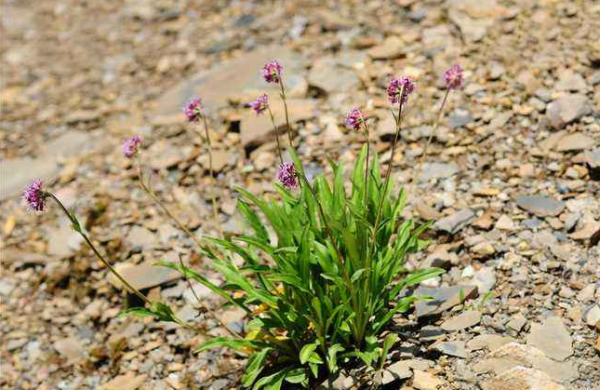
140 312
271 382
390 340
306 352
254 367
332 357
237 344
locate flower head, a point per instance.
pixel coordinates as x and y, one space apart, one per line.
272 71
453 77
131 145
403 86
192 110
287 175
260 104
354 119
35 196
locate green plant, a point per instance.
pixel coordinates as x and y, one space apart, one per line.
317 304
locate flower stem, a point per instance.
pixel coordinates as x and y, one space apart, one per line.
287 116
155 198
276 133
212 177
433 131
364 122
77 228
389 168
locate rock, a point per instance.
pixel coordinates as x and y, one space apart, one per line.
144 276
483 249
391 48
330 76
129 381
571 82
472 17
521 378
587 293
462 321
71 349
425 211
452 348
459 119
443 298
567 109
517 323
592 315
64 241
426 381
575 141
489 341
142 238
551 337
431 333
541 206
505 223
16 174
256 130
396 371
455 222
432 171
237 78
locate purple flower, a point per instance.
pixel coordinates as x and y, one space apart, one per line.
192 110
260 104
453 77
287 175
131 145
272 72
402 85
35 196
354 119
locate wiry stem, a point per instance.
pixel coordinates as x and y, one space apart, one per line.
285 107
212 177
155 198
364 122
77 228
276 133
389 168
433 131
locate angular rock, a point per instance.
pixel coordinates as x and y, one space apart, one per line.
462 321
443 298
451 348
521 378
426 381
391 48
489 341
576 141
144 276
437 171
129 381
552 338
71 349
329 76
541 206
567 109
455 222
592 315
235 78
396 371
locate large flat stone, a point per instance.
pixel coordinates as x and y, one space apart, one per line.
443 298
552 338
541 206
236 78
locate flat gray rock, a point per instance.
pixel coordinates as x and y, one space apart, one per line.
443 298
329 76
451 348
462 321
432 171
541 206
552 338
144 276
455 222
573 142
567 109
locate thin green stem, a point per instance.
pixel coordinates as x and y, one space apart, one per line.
433 131
364 122
276 134
77 228
287 116
212 177
155 198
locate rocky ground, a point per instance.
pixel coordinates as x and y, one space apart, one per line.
513 179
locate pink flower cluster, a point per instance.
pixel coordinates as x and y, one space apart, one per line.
354 119
193 110
399 90
35 196
260 104
287 175
453 77
272 72
131 145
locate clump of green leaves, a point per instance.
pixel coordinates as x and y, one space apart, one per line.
319 293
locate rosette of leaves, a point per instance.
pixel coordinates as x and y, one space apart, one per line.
319 293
